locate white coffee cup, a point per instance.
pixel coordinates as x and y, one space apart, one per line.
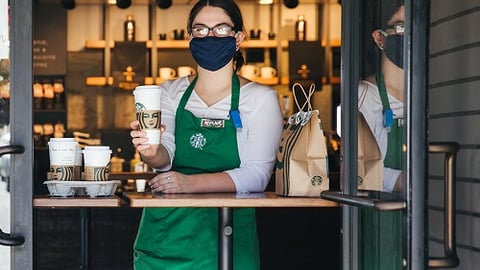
185 71
249 71
148 111
268 72
97 156
77 169
167 73
97 162
140 184
147 97
62 153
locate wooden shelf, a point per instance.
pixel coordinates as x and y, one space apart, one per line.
183 44
259 44
151 80
169 44
98 44
99 81
103 81
266 81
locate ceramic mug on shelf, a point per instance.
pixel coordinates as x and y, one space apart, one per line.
268 72
185 71
249 71
167 73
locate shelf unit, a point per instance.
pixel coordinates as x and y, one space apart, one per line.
179 44
183 44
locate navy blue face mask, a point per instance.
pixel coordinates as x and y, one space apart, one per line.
213 53
394 49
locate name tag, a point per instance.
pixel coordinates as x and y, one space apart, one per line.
213 123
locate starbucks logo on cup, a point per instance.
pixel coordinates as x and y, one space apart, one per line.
63 173
140 107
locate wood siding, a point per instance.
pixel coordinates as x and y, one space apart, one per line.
454 115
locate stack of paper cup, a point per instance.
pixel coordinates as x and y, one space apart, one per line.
78 162
97 162
148 112
62 152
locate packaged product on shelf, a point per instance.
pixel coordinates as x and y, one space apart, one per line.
58 90
129 29
48 131
37 95
38 135
48 95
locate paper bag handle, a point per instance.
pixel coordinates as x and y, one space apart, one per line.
308 96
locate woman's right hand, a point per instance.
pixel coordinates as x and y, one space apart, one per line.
140 141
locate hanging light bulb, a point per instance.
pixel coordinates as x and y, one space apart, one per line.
265 2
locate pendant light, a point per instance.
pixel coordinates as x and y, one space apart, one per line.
164 4
68 4
123 4
290 3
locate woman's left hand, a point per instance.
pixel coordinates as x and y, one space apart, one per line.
169 182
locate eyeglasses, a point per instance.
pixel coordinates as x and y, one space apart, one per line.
221 30
398 28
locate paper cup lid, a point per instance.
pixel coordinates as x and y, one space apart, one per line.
147 87
61 140
97 148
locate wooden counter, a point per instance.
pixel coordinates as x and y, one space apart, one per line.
225 202
49 201
220 200
131 175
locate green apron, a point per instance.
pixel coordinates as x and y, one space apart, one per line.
187 238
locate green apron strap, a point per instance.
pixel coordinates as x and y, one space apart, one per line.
393 158
234 112
387 112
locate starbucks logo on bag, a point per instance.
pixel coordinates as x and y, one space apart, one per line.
198 141
316 180
360 181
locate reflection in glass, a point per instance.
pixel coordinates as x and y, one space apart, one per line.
381 100
380 134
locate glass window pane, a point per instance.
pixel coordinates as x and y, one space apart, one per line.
4 134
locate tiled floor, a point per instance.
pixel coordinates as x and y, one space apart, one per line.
4 224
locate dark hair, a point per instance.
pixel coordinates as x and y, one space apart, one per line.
376 14
232 10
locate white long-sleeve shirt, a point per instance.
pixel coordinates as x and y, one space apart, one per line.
257 140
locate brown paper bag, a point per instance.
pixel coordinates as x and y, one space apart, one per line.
302 161
370 161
